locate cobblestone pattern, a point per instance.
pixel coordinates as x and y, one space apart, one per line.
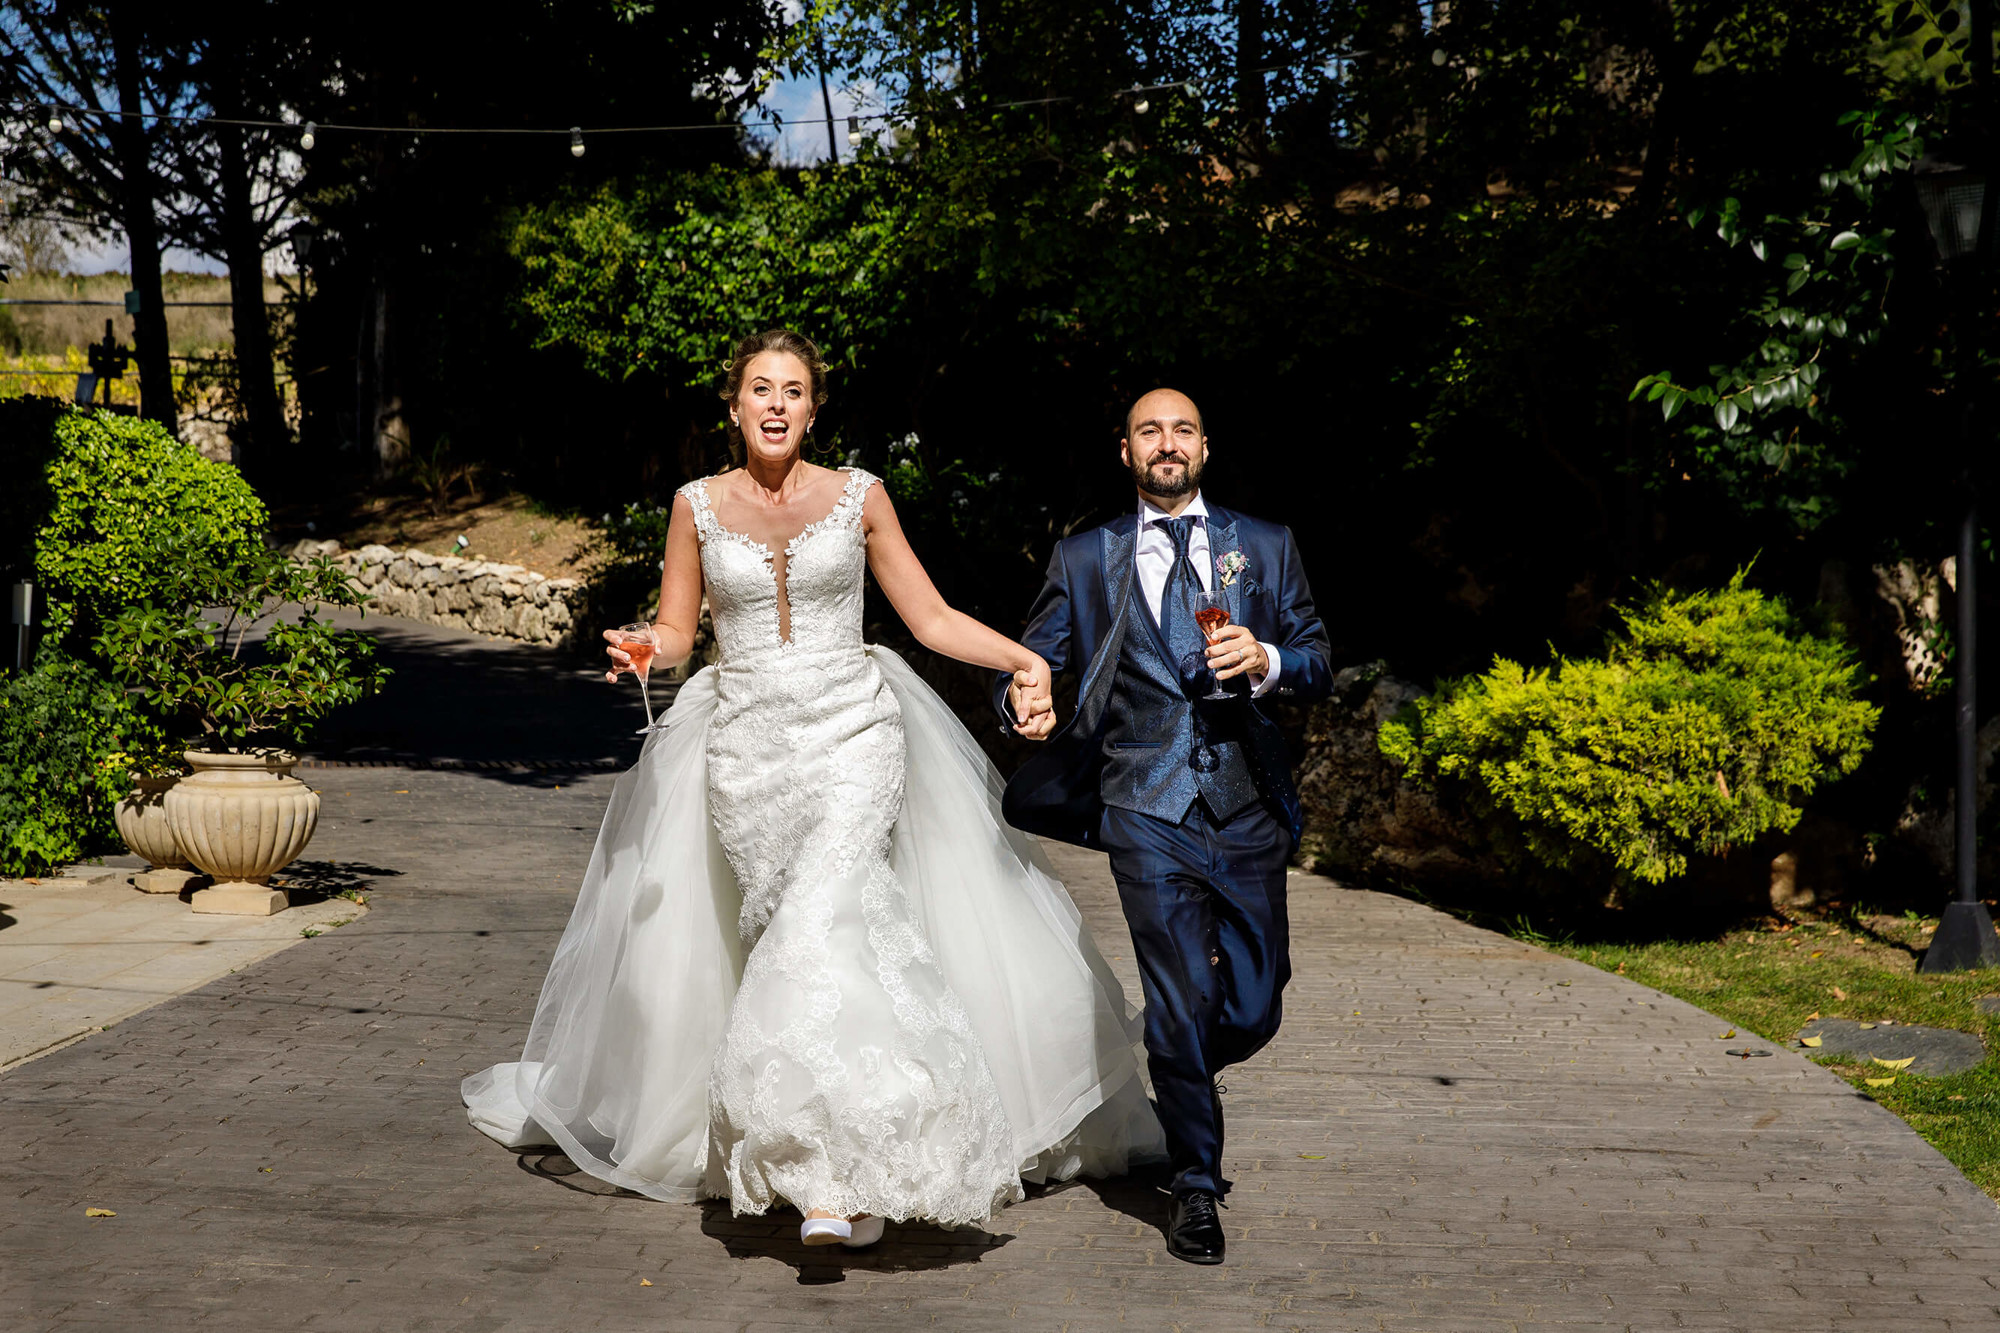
1454 1133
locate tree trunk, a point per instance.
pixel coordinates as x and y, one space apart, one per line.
1250 99
142 228
243 251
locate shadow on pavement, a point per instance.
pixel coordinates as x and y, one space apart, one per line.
907 1247
505 711
316 881
1141 1196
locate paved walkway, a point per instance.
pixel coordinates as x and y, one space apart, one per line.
1454 1133
80 952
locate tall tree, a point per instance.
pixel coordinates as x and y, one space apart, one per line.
235 183
104 166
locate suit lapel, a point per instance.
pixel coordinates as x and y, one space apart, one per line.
1221 541
1116 541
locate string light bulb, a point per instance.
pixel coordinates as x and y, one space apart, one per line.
854 130
576 141
310 137
1140 106
52 117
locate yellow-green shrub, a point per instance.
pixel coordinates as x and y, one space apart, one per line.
1704 725
128 503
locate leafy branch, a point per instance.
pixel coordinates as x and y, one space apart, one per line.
1769 409
183 652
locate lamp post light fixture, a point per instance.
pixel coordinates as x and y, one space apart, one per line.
301 238
1955 205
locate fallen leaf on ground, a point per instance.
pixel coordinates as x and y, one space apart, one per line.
1811 1016
1838 993
1725 1036
98 1212
1817 953
1956 1097
1621 969
645 1282
1868 1025
1809 1041
1313 1156
1880 1082
1903 1063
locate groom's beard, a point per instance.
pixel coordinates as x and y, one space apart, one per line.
1185 482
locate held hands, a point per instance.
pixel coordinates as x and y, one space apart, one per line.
1030 699
621 661
1236 651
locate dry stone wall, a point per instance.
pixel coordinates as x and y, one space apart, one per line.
503 601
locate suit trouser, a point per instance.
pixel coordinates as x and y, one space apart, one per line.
1206 903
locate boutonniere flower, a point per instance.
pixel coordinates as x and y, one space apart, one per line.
1231 566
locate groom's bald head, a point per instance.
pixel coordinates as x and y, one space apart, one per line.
1164 405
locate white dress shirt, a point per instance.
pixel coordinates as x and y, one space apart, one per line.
1153 559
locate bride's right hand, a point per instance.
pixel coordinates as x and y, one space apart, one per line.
621 661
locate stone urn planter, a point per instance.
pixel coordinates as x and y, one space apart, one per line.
241 816
142 822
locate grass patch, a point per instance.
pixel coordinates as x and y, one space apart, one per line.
1771 978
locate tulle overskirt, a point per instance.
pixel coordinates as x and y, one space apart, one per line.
616 1067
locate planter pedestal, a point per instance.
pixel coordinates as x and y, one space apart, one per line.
240 817
176 880
241 899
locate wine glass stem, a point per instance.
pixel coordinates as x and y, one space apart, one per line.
646 699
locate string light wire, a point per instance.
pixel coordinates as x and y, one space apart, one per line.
51 112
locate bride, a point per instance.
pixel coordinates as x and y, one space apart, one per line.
810 964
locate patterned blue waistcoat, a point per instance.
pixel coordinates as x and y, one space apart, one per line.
1150 728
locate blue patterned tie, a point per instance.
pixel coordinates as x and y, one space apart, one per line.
1177 601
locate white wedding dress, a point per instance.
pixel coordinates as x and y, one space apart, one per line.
810 963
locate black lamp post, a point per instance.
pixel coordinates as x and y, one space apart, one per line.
1954 201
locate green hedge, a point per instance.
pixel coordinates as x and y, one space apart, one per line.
1703 726
66 740
128 501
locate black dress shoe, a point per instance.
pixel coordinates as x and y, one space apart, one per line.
1194 1228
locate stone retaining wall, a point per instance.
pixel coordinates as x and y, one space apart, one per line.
504 601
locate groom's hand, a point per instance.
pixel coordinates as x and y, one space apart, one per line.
1034 708
1236 651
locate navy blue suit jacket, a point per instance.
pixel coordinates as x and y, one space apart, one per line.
1079 621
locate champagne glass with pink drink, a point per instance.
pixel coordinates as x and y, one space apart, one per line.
636 641
1211 612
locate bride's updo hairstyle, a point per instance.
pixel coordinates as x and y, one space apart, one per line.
773 340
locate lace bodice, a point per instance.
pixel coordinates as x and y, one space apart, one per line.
819 581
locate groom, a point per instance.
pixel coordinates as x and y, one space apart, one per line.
1192 798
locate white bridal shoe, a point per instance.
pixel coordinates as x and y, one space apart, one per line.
838 1230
